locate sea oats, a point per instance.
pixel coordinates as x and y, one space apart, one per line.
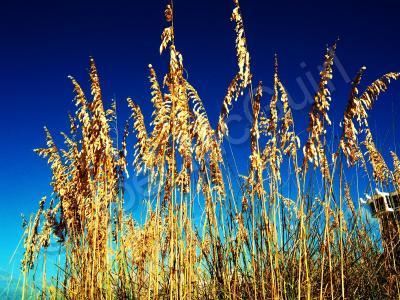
314 151
380 169
396 171
192 227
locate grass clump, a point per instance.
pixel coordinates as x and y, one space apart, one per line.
257 239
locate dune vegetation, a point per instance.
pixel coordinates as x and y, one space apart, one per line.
255 238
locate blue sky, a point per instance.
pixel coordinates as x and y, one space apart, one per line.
44 42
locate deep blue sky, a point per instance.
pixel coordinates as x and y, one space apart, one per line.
43 42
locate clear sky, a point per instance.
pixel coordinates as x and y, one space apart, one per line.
44 42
